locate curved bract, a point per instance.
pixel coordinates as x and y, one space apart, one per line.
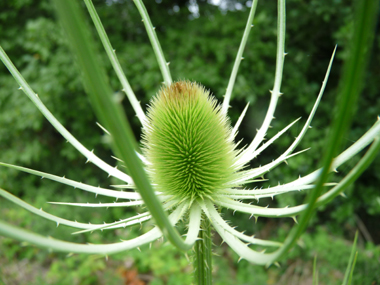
191 165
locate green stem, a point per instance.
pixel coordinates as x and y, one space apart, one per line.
111 114
203 255
351 86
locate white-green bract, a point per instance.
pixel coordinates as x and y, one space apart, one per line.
190 154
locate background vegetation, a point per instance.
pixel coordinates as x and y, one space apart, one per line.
200 40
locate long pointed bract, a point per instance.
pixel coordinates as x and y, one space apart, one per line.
239 58
115 62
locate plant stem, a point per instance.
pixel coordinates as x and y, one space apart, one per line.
202 256
112 114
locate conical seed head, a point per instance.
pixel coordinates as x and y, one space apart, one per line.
187 142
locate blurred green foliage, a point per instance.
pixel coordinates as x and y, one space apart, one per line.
201 45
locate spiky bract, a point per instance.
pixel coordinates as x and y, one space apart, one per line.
187 142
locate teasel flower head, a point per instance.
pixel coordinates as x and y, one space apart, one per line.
188 144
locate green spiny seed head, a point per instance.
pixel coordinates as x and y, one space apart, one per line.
187 142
